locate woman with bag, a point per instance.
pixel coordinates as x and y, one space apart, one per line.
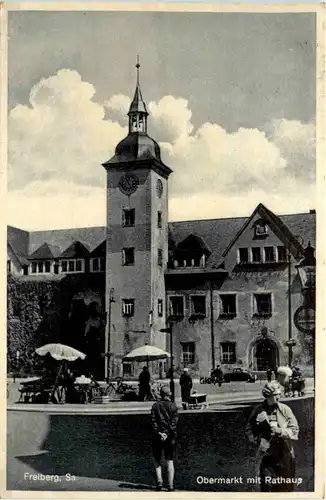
272 427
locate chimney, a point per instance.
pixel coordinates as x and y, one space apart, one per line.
312 211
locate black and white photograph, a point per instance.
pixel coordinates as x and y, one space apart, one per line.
162 248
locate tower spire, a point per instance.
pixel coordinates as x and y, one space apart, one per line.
137 111
137 66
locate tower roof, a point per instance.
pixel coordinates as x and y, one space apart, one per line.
137 105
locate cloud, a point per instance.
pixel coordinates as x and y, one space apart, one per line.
58 142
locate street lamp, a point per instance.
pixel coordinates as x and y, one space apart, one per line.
169 330
107 346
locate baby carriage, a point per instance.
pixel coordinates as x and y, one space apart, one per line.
295 385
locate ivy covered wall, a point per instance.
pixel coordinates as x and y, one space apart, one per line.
69 310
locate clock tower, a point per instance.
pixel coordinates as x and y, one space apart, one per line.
137 240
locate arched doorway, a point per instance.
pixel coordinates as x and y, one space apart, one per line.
265 354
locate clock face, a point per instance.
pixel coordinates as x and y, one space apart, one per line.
159 188
128 184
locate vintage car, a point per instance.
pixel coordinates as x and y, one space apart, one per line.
239 375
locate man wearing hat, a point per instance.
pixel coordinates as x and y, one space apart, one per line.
164 417
272 427
186 385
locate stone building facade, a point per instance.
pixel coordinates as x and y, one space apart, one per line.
228 287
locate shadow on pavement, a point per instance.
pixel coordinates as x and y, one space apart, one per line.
118 447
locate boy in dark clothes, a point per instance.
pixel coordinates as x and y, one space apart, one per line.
164 418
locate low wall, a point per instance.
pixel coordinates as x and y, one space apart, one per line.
118 447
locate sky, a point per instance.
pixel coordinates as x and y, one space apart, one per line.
231 98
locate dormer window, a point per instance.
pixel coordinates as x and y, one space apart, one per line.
261 228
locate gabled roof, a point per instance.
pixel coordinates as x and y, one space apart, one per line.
277 226
100 250
90 237
218 233
45 252
74 251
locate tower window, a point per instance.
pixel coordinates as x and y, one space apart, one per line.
159 219
128 307
8 266
128 256
160 257
160 307
128 217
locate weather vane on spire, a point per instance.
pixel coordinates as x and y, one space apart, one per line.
137 66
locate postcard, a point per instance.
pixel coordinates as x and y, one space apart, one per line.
163 169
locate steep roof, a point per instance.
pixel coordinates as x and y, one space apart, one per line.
18 240
75 250
63 238
45 252
100 250
219 233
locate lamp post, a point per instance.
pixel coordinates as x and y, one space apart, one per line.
305 315
291 342
16 365
169 330
107 347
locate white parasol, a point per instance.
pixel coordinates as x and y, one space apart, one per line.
146 353
60 352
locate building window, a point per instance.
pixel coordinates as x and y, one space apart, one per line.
228 307
261 228
269 254
262 305
177 306
159 219
128 256
228 353
34 267
47 266
97 264
256 255
160 307
198 305
40 267
188 353
72 266
281 254
128 307
128 217
160 257
8 266
243 255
